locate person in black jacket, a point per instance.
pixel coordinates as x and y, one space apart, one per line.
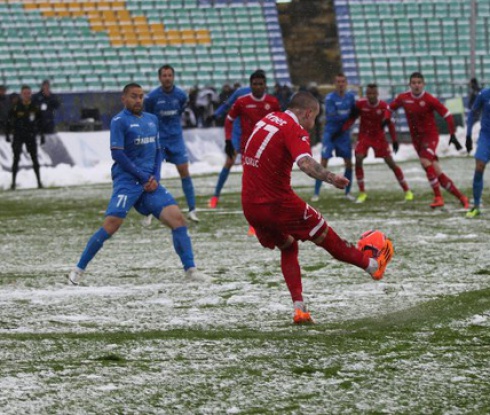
48 103
24 123
4 108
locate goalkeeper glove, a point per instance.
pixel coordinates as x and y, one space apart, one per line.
229 149
453 140
396 146
469 144
43 140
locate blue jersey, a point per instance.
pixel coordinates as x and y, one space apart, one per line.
481 105
338 110
168 107
223 109
138 137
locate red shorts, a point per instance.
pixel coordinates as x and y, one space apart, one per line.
380 146
273 223
426 148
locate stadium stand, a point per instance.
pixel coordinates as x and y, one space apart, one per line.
101 45
384 41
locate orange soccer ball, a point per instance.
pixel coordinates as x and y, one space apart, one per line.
372 242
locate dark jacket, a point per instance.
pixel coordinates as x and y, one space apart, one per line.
48 105
4 111
24 121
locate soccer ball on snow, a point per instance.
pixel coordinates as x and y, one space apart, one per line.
372 242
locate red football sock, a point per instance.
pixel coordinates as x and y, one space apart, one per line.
401 179
448 184
291 271
360 178
343 250
434 183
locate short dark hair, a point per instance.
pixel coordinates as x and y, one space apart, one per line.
164 67
417 75
129 86
258 74
303 100
25 86
341 75
372 86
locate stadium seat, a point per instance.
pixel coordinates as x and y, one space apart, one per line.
76 29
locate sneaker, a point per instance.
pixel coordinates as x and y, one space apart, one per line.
301 314
315 198
350 197
192 215
361 198
473 213
438 202
75 276
383 258
408 196
465 202
146 221
213 202
193 274
251 231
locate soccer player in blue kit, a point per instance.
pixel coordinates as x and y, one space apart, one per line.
135 173
482 154
168 102
338 107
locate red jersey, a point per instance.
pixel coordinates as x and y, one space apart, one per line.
275 144
420 114
250 110
371 116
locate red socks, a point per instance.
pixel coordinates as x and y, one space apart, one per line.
291 271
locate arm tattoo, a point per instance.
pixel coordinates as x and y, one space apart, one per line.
315 170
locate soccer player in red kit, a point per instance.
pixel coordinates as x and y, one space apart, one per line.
371 112
250 108
279 216
419 108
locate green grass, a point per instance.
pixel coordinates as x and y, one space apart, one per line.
137 339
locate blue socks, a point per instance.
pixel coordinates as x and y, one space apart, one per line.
477 187
93 246
223 177
318 186
183 246
348 175
188 189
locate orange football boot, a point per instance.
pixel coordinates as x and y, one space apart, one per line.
384 257
465 202
438 202
213 202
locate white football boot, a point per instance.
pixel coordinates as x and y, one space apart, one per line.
193 274
146 221
75 276
192 215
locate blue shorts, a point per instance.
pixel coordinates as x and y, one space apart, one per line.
128 194
341 145
483 148
174 151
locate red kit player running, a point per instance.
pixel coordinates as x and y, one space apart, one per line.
279 216
371 112
419 108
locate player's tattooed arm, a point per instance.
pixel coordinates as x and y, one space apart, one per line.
312 168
